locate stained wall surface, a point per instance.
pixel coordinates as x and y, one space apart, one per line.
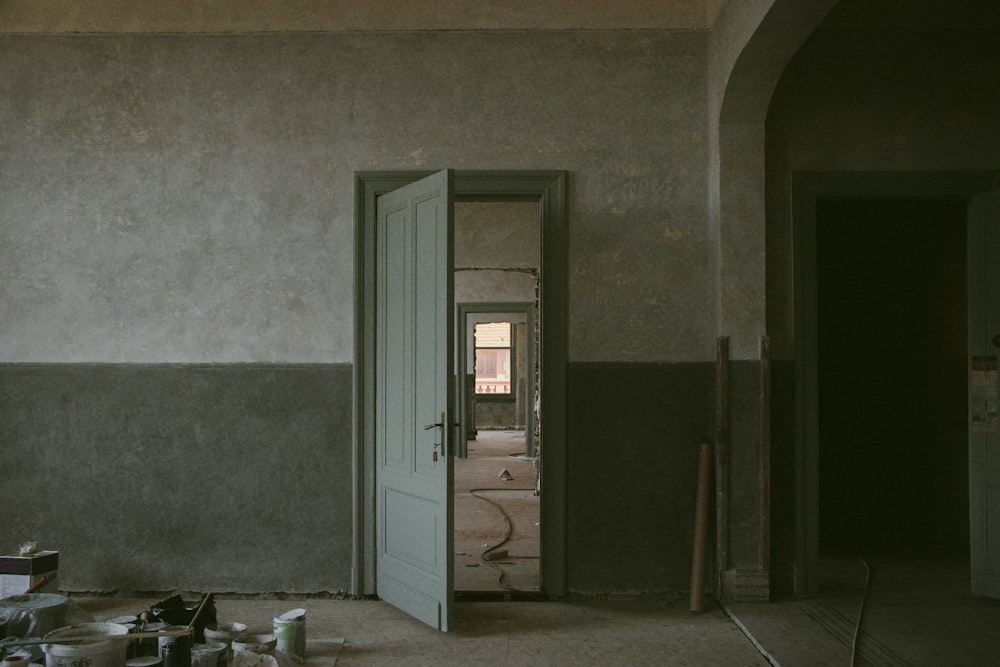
189 198
176 278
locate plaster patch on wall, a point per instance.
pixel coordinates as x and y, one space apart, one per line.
632 189
671 233
417 156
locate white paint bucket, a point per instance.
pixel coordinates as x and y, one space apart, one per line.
176 650
107 653
290 631
263 644
14 661
210 654
225 633
144 661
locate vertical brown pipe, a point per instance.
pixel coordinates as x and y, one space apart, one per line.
701 528
721 464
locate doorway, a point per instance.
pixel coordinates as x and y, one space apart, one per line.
497 494
892 323
849 483
547 190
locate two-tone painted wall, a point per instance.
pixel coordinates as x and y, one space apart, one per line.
176 260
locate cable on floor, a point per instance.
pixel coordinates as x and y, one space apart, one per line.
861 612
506 538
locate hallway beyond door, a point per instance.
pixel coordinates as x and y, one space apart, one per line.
496 511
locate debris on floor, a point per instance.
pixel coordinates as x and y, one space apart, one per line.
52 630
29 571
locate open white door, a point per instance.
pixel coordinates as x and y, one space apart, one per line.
984 434
413 398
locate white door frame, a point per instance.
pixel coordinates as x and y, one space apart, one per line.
548 188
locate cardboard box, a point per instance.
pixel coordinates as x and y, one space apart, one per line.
20 573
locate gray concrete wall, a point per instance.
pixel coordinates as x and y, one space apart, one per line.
174 202
188 198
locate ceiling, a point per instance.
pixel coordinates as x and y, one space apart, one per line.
48 16
915 15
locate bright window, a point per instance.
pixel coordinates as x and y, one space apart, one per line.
494 371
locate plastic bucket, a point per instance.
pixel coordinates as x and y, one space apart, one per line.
225 633
290 630
209 654
176 650
107 653
255 644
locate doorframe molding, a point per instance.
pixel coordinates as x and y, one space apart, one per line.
548 188
807 189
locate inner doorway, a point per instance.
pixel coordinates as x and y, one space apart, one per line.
497 500
817 196
892 323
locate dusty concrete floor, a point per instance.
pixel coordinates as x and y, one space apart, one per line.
918 611
494 514
641 632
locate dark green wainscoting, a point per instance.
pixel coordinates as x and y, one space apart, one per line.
230 478
632 452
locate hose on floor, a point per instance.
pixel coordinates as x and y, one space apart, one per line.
506 538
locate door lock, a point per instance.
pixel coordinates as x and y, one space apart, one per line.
434 455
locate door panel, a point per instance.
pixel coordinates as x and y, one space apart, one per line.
984 438
413 398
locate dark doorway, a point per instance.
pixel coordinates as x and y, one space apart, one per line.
891 324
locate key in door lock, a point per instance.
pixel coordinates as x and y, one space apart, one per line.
434 456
